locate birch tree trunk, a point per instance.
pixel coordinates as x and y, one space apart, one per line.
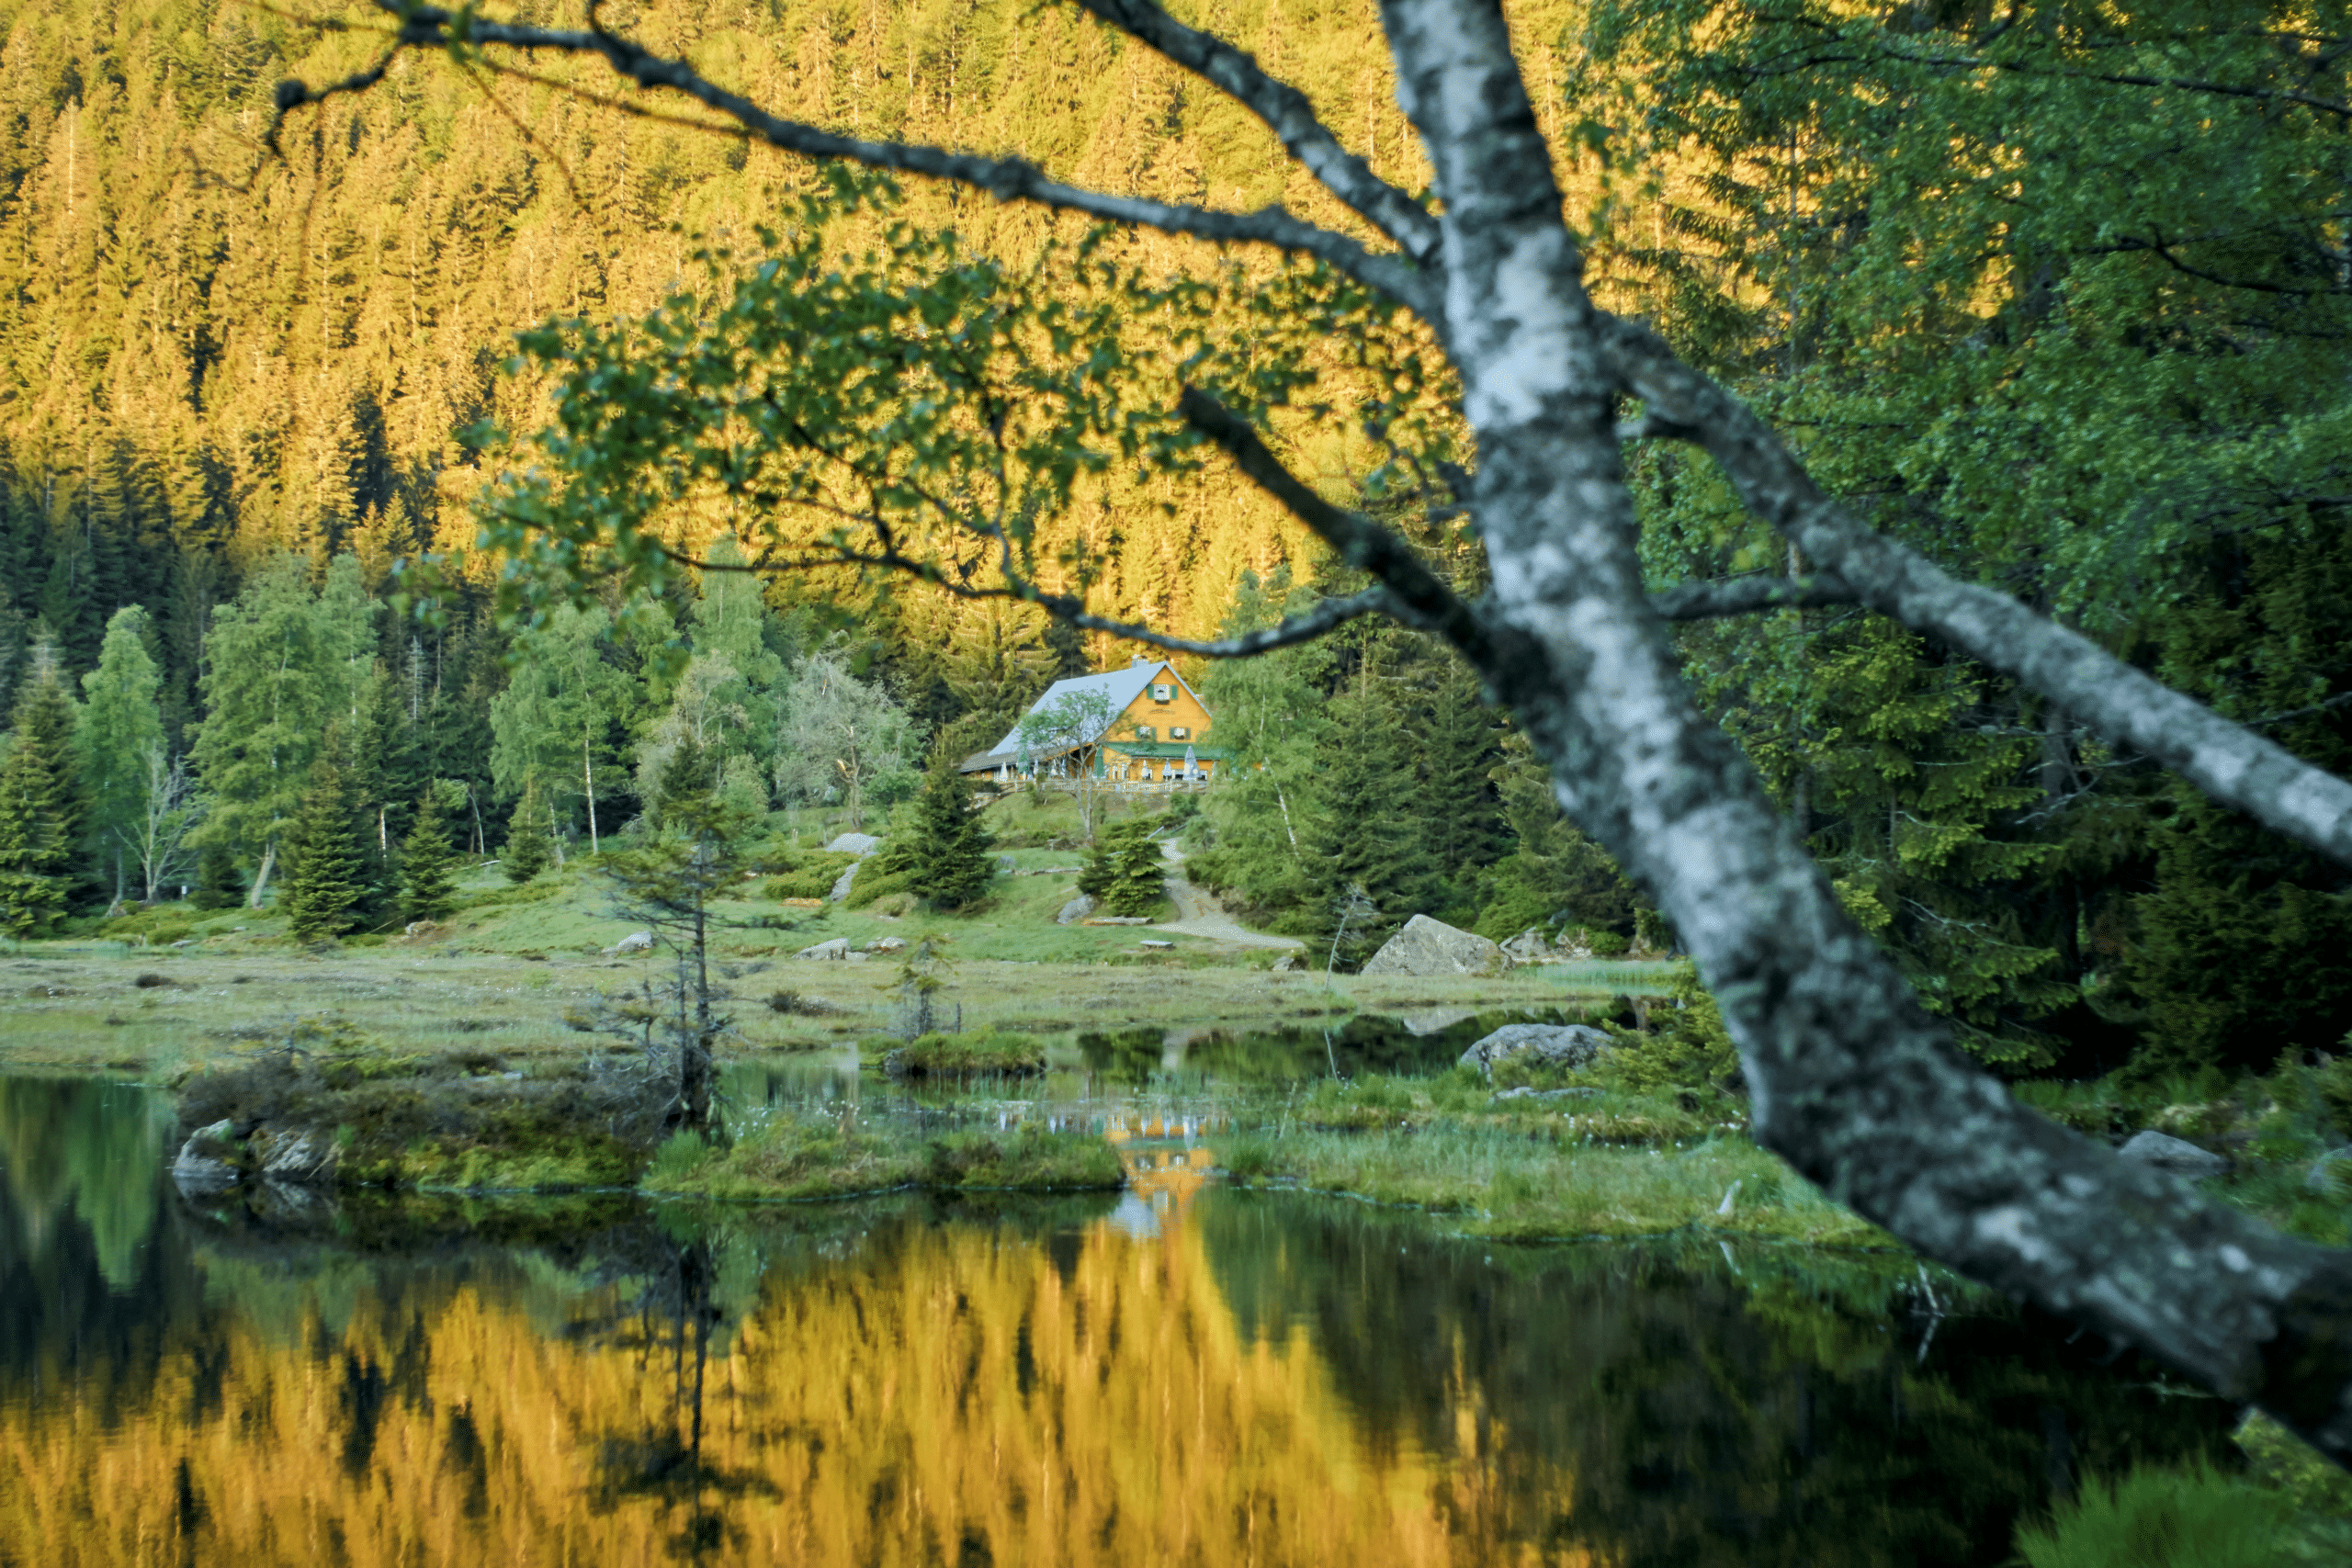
1852 1082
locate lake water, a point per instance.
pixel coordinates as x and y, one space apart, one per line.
1176 1373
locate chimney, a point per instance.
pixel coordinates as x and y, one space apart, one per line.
1139 658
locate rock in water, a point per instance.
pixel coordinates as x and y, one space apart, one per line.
299 1157
1076 910
860 845
1431 947
2174 1155
636 942
1569 1046
837 947
204 1162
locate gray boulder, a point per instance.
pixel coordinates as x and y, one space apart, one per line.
1524 1092
1529 946
1431 947
841 883
297 1156
1288 963
836 949
1076 910
886 944
2330 1168
636 942
2173 1156
1569 1046
205 1163
859 844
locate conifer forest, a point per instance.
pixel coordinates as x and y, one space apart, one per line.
1836 609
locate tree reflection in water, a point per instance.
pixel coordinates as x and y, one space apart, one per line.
1179 1374
671 1320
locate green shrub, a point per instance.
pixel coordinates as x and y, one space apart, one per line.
526 892
1689 1048
870 887
163 925
981 1051
807 876
1251 1158
1027 1158
1605 944
2163 1519
1125 869
2333 1082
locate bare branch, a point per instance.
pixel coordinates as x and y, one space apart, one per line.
1324 617
1418 597
2160 248
1288 115
1699 601
291 94
1007 179
2228 761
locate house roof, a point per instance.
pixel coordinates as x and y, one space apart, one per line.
1121 686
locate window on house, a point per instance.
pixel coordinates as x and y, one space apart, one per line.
1164 694
1178 732
1143 732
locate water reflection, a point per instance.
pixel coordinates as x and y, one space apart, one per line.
1176 1372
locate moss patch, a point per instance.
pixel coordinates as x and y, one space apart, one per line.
942 1056
442 1119
806 1157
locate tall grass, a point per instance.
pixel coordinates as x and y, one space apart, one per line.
2154 1518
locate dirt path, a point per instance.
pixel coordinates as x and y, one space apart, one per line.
1199 914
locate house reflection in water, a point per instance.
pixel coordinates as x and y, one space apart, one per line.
1160 1183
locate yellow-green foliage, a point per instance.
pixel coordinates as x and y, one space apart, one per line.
2319 1492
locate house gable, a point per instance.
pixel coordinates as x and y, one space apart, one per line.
1136 706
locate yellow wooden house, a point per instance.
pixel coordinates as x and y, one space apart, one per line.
1155 734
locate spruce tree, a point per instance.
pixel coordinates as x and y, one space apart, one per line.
42 803
1125 871
325 861
218 884
428 890
950 852
1364 829
527 853
690 775
1461 810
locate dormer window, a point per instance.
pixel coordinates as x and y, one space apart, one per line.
1163 692
1178 732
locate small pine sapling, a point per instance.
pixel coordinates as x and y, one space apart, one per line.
527 853
428 889
1124 872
